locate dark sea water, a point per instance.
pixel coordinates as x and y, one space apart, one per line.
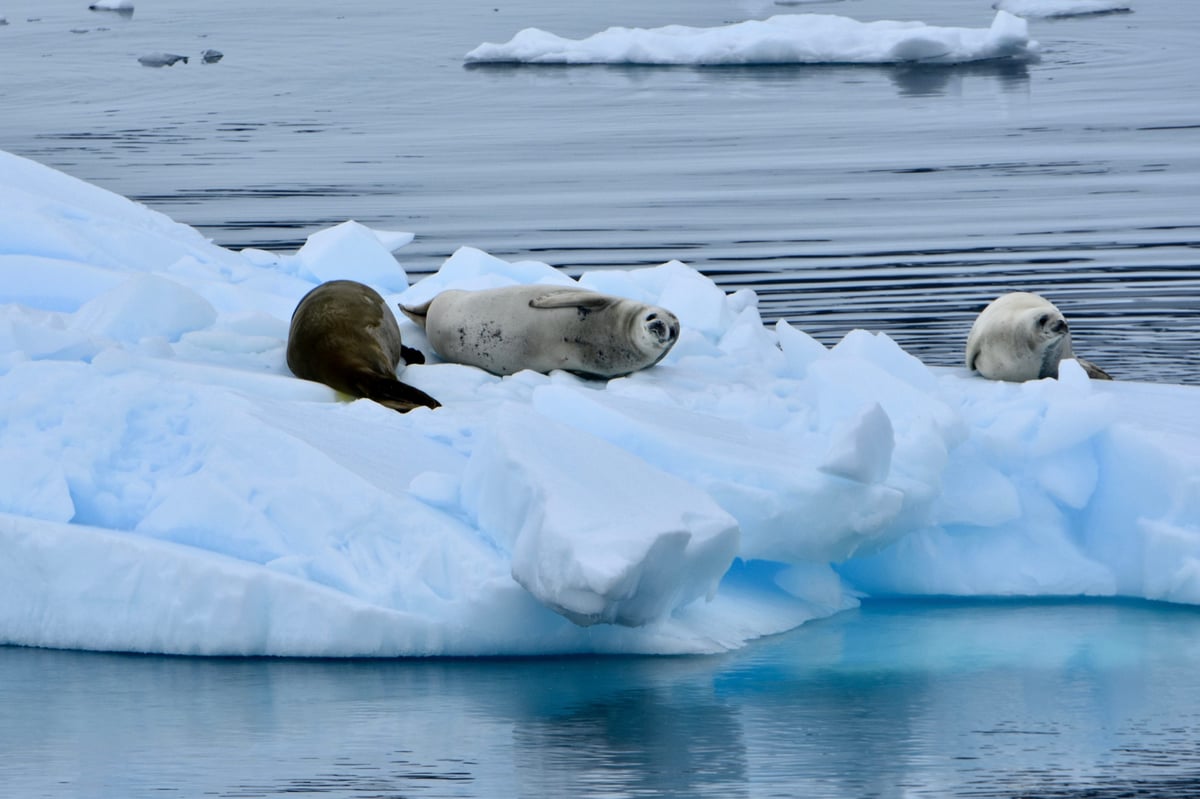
1070 700
894 199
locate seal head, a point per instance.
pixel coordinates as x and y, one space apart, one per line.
343 335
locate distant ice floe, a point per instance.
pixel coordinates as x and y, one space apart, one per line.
782 39
112 5
1061 8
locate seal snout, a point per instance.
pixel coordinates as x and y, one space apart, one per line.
662 325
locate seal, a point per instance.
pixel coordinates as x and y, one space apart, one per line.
543 328
1021 336
343 335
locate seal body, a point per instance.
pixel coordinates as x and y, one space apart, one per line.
1022 336
543 328
344 335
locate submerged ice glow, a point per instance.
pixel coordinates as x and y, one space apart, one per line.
167 486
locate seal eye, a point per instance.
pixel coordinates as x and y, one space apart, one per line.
1043 319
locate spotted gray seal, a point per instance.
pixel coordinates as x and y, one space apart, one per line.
542 328
343 335
1021 336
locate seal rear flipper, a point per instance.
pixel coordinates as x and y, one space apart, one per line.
391 393
1093 371
417 313
411 355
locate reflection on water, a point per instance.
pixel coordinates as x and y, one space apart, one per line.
899 199
1094 699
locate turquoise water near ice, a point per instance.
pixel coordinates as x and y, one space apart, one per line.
1097 699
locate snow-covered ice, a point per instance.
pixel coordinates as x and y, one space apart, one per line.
111 5
1061 8
167 486
782 39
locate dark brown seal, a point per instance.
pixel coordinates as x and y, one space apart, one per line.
344 335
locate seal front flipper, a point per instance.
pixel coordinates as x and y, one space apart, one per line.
571 298
391 393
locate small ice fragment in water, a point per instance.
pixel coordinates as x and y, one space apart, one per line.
161 59
212 56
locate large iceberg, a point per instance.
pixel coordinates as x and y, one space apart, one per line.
167 486
782 39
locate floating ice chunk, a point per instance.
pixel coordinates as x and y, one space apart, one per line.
799 348
594 533
61 285
976 493
469 269
787 508
112 5
166 486
161 59
1061 8
351 251
1069 476
31 484
783 39
145 306
817 584
393 239
1171 560
861 448
1028 558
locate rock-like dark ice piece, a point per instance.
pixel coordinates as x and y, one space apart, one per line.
161 59
212 56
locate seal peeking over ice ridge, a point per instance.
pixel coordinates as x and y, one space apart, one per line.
343 335
544 328
1022 336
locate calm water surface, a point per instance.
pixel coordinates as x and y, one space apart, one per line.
898 699
895 199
